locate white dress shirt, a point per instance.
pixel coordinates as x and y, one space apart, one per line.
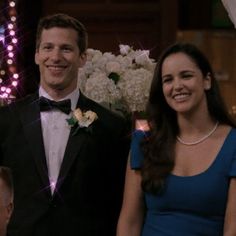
55 135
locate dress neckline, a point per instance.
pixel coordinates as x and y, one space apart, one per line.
217 158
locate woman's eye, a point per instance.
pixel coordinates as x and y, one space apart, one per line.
186 76
166 80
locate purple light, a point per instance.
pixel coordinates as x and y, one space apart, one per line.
11 54
14 83
14 40
8 90
9 47
10 72
10 26
5 95
12 33
3 89
15 76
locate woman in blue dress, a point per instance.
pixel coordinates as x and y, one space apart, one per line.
181 174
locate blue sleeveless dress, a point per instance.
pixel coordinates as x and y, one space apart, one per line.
189 206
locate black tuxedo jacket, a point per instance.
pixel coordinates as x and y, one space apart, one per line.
90 184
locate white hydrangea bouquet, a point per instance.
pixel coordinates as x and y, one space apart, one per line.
120 81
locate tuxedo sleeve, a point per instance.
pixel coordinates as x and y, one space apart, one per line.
117 167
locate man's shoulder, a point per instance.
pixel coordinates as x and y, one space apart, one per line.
20 103
15 106
25 100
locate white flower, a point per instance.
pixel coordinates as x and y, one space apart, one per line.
124 49
113 66
122 79
135 88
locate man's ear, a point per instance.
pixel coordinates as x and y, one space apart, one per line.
82 59
207 81
36 58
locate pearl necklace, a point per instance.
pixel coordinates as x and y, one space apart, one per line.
201 139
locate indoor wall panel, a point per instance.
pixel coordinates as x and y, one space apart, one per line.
142 24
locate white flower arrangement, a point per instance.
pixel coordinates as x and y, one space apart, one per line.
122 81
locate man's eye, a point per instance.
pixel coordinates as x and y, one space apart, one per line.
47 47
67 49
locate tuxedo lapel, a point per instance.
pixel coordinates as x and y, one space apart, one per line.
74 146
30 118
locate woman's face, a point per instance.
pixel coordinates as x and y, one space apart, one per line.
183 83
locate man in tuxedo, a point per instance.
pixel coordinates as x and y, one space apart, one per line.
6 198
68 179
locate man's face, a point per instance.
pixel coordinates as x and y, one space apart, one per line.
59 58
6 207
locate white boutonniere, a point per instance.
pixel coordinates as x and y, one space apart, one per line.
82 120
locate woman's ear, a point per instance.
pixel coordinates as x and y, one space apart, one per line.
207 81
10 208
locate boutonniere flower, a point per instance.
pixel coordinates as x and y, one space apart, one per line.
80 119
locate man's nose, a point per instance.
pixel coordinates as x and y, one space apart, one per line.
55 54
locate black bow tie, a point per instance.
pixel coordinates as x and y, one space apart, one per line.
47 104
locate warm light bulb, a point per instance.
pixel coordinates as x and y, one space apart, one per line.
13 18
12 4
2 72
9 61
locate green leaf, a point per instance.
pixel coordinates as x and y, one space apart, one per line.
114 76
71 121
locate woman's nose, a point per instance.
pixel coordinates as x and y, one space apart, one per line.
177 83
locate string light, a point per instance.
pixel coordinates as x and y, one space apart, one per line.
8 72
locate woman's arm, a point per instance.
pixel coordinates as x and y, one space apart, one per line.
131 216
230 215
